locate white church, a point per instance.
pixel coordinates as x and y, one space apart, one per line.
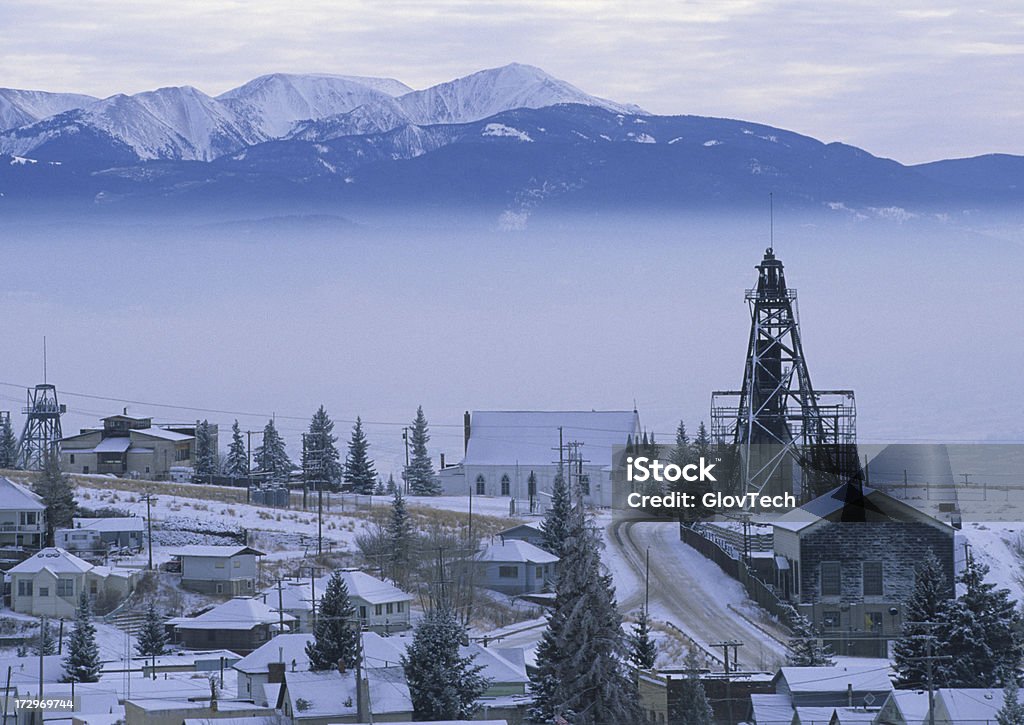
504 448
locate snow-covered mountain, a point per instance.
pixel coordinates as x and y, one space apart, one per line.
183 123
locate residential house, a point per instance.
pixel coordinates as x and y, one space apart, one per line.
166 711
130 446
771 709
529 532
22 516
382 607
102 535
967 706
50 582
322 698
241 625
904 707
514 567
503 449
847 561
229 570
838 686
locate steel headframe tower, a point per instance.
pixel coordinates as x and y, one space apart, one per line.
787 436
41 435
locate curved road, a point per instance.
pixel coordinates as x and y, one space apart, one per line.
692 593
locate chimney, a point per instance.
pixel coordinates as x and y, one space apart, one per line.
465 432
849 694
275 672
442 461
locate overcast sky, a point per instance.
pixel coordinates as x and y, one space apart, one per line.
914 81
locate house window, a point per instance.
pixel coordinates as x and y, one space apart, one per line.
72 458
378 609
220 588
24 587
85 469
248 583
93 588
505 485
236 563
873 621
65 587
362 613
28 518
481 485
873 579
390 608
540 572
401 607
44 591
830 619
831 582
508 572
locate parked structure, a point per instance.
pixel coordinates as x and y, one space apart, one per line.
102 535
229 570
514 567
22 516
51 582
241 625
382 607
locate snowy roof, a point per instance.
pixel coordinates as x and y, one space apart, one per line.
16 497
500 665
167 435
773 709
214 551
815 715
835 679
117 444
912 705
371 589
115 524
54 559
865 501
533 524
855 715
507 437
332 694
517 551
378 651
970 704
239 613
25 670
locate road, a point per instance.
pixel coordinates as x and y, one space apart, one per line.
690 592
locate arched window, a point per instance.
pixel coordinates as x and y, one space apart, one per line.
505 485
481 485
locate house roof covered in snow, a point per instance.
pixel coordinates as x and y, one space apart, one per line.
239 613
112 524
835 679
378 651
526 437
503 666
15 497
162 434
966 705
333 694
371 589
852 503
775 709
54 559
215 552
517 551
912 705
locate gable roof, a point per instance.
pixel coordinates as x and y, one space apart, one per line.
113 523
333 694
214 551
970 704
851 503
54 559
836 679
912 705
526 437
371 589
775 709
14 496
162 434
239 613
378 651
515 550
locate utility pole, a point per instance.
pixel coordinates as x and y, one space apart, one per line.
280 607
929 658
148 498
405 439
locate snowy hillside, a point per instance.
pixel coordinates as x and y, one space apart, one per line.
20 108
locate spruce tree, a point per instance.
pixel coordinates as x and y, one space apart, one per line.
643 651
57 493
82 663
681 453
400 540
237 463
554 528
702 443
581 673
44 643
205 464
981 632
334 636
419 474
321 439
152 638
691 707
392 486
444 684
928 603
271 457
8 444
803 648
1012 712
360 472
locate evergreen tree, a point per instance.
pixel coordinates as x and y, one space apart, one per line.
237 464
205 464
392 487
444 684
152 638
334 637
400 540
643 651
554 528
982 633
271 457
691 706
360 472
8 445
419 474
379 489
681 455
702 443
803 648
44 643
57 493
321 439
928 603
83 661
1012 712
581 673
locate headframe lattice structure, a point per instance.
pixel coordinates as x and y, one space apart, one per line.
41 435
787 436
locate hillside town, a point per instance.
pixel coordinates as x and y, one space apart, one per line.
182 573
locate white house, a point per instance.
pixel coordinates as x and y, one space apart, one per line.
22 516
514 567
229 570
241 625
101 535
50 582
505 448
382 607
